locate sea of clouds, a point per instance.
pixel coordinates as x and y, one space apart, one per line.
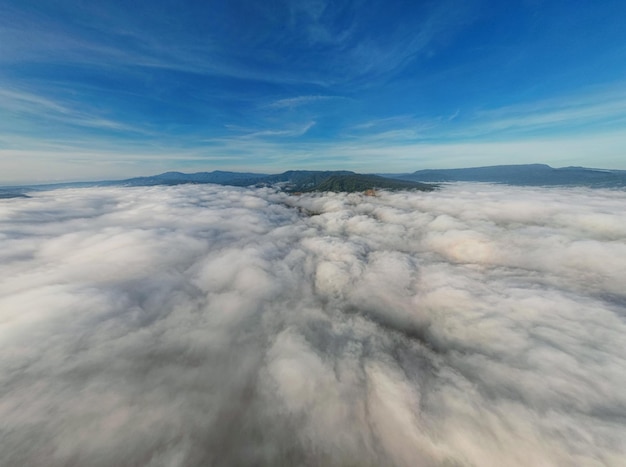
476 325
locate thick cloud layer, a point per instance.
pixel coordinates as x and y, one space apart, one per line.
201 325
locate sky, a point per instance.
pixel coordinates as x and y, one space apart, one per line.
195 325
95 90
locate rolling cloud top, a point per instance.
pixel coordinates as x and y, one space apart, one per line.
196 325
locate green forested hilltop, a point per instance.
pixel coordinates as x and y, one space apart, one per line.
290 181
358 182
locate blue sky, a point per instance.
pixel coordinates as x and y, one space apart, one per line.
93 90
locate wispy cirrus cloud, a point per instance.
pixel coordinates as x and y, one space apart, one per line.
401 120
292 131
35 106
583 108
293 102
346 52
592 110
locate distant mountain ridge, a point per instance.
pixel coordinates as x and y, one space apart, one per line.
359 182
344 180
523 174
15 193
176 178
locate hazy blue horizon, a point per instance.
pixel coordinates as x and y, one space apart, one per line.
27 183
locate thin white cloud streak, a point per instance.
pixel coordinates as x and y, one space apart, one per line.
204 325
312 19
583 108
23 101
293 102
565 116
394 121
43 41
552 116
283 132
372 58
39 107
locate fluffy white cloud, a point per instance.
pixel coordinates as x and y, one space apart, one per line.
202 325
